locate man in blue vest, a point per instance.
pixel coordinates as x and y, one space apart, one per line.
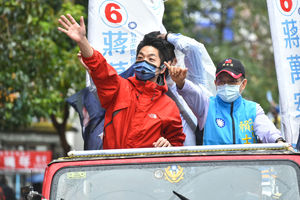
226 118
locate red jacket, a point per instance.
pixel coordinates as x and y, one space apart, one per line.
137 112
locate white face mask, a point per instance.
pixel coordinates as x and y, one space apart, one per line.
229 93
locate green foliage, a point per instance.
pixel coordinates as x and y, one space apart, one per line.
173 16
39 68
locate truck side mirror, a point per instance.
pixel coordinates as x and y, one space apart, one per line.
29 194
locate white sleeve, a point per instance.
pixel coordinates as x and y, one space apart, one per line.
264 127
197 100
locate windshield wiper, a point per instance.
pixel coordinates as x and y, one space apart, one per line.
180 196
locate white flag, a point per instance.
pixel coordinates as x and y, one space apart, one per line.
284 16
115 27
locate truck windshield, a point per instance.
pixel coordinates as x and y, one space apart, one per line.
248 180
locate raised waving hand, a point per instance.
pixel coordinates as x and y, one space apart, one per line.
76 32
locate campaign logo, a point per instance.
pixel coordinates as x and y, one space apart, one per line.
113 13
287 7
153 116
220 122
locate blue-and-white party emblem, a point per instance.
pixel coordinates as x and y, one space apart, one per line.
220 122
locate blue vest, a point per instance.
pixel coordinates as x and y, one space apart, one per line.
230 123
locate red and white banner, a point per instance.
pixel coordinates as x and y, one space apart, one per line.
25 160
284 16
115 28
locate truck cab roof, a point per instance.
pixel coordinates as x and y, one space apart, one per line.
254 171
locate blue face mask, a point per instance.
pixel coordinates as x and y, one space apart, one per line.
228 93
144 70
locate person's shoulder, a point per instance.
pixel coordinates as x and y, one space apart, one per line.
249 101
167 99
167 104
255 105
212 98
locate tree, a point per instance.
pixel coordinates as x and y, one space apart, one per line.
173 16
39 68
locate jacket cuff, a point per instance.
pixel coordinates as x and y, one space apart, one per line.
92 60
89 58
172 37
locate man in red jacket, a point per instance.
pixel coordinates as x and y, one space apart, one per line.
138 113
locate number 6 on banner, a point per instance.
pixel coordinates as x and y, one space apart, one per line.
113 14
109 13
286 5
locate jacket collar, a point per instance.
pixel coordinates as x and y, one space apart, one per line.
149 87
236 103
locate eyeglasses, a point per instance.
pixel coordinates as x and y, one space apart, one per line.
232 81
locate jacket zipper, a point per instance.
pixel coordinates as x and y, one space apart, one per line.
233 125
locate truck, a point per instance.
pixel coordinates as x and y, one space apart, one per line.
233 172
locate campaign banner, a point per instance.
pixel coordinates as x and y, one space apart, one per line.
25 160
284 17
115 27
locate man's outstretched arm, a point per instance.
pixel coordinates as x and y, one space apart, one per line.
104 76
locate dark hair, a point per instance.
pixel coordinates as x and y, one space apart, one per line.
171 53
165 48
